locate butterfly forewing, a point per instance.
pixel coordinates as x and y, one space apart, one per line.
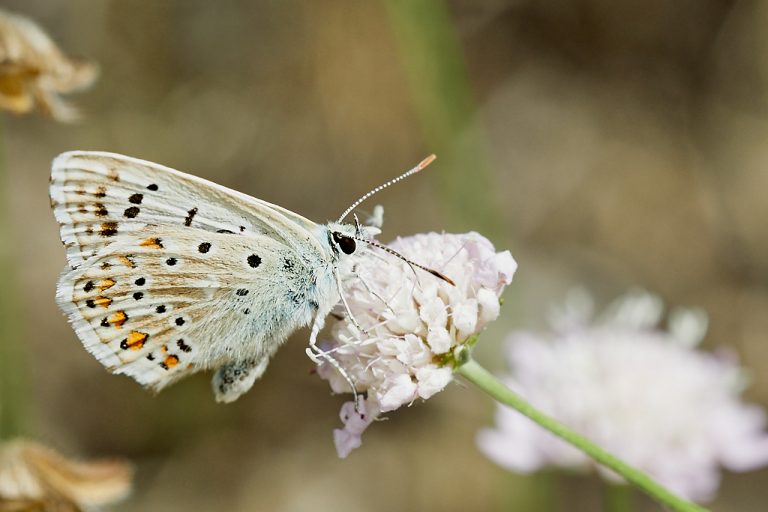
170 273
165 301
98 196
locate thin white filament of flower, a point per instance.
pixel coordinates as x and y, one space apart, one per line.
446 262
375 294
346 304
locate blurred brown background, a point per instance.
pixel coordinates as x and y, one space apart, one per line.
605 143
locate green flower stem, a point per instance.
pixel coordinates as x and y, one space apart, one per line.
483 379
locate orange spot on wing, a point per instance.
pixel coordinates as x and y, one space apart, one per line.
102 301
171 361
106 283
125 260
118 319
136 340
153 243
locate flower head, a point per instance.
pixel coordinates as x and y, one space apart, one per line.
33 477
414 322
643 393
33 71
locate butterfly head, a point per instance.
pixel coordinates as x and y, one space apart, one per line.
343 243
344 238
347 238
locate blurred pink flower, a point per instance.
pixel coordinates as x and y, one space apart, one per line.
414 321
645 394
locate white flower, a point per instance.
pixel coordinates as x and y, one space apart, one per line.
414 322
643 393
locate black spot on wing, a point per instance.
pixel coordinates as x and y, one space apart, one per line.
108 229
190 215
254 260
131 212
136 198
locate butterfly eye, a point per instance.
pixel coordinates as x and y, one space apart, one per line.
345 243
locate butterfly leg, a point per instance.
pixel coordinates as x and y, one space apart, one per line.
317 355
233 379
317 326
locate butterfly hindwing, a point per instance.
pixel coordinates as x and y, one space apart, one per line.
98 196
161 302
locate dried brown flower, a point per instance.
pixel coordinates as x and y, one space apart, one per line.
36 478
34 72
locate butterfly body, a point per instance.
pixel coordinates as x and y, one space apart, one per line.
170 274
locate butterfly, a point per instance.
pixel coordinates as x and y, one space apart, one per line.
170 274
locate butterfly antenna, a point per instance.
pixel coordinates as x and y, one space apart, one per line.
412 263
422 165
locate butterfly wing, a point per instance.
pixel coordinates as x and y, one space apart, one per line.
124 220
97 196
165 301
